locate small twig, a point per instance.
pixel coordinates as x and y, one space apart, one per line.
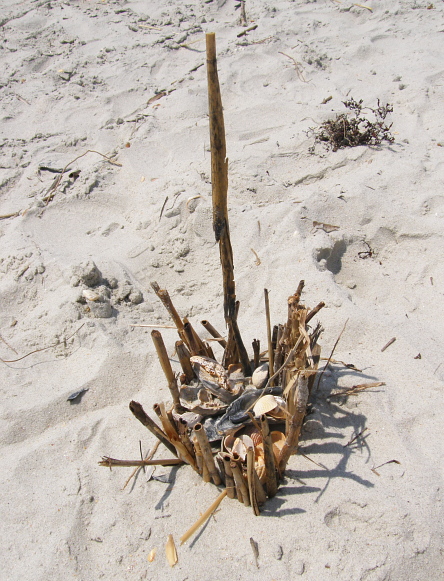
20 98
255 549
149 456
42 349
356 388
52 190
297 66
243 16
8 345
331 355
156 326
355 438
348 365
388 344
107 461
311 460
6 216
246 31
258 260
141 456
206 515
163 207
389 462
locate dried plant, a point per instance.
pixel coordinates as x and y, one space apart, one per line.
350 130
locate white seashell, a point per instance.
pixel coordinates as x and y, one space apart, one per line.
280 412
91 295
209 370
260 376
264 404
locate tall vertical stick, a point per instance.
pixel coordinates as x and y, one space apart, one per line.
270 344
219 180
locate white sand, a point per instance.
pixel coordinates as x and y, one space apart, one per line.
77 75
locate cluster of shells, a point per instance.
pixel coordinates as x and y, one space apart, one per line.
226 403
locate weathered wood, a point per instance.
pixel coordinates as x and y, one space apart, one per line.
219 181
162 354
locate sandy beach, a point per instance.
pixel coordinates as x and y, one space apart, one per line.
112 95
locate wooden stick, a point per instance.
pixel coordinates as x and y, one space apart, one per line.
261 495
252 481
229 480
291 443
202 467
192 341
212 331
314 311
162 354
182 428
270 344
257 352
241 487
138 411
173 436
168 304
206 515
107 461
207 453
219 180
184 359
270 467
388 344
198 340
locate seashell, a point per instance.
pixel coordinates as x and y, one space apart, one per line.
260 376
196 399
212 376
190 418
170 551
265 404
210 370
237 412
238 445
278 441
280 412
235 372
256 436
91 295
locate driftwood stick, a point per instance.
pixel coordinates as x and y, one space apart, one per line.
184 359
168 304
182 428
257 352
201 466
162 354
219 180
192 340
138 411
270 467
107 461
173 436
198 340
314 311
291 443
214 333
241 487
229 480
261 495
252 481
270 343
207 453
206 515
